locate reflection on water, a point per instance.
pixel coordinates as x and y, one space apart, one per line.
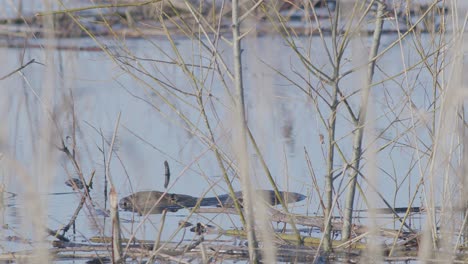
287 128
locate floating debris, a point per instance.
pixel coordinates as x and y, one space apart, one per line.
17 239
75 183
184 224
99 260
167 174
201 228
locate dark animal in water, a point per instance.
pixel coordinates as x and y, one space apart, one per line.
154 202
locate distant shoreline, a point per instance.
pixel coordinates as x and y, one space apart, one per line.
122 23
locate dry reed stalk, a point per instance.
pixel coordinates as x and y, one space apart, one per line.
241 134
117 254
444 186
374 251
272 182
157 241
35 204
263 111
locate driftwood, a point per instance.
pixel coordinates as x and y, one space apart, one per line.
98 253
105 244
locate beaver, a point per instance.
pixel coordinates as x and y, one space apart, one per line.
269 196
155 202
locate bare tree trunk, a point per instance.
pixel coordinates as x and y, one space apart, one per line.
327 244
328 212
357 142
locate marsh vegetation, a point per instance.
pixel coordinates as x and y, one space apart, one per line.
148 131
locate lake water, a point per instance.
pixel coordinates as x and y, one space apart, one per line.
85 92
